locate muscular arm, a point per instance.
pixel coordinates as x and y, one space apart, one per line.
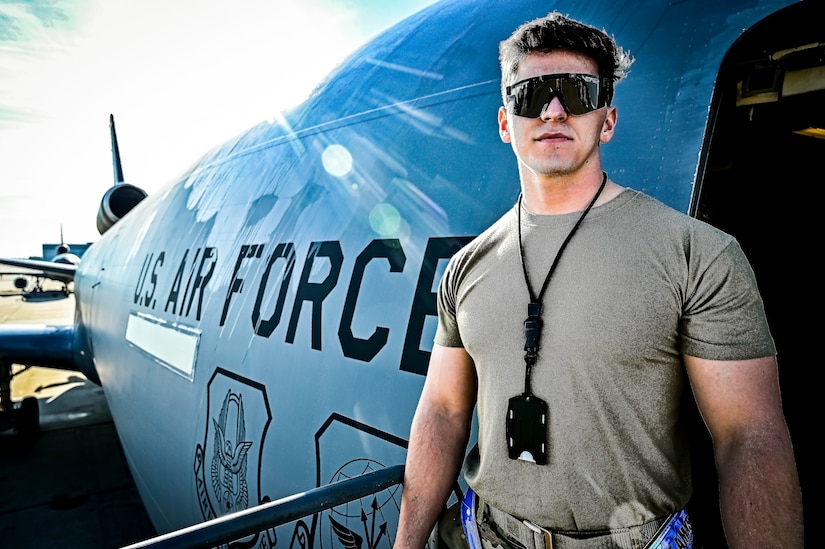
438 441
759 488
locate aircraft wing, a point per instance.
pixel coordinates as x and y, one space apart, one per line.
48 269
20 273
38 345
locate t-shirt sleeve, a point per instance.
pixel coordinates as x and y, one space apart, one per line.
724 316
447 334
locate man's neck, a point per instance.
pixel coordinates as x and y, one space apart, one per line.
562 195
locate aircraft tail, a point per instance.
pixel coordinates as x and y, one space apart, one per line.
117 166
121 197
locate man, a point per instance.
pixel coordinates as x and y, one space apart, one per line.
578 323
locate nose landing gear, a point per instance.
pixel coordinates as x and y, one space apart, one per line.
25 418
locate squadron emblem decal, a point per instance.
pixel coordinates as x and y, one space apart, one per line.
228 464
367 522
369 515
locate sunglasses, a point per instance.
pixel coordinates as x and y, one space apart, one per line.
578 94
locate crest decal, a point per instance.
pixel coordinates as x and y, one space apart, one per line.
228 463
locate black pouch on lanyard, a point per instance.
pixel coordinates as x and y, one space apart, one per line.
527 429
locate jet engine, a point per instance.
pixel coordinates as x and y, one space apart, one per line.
117 202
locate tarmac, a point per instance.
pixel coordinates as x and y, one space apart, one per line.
69 486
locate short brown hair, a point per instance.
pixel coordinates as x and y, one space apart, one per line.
554 32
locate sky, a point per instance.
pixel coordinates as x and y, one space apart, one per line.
179 76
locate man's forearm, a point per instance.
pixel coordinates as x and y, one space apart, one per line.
760 496
434 457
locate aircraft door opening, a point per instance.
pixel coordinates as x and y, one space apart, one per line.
760 180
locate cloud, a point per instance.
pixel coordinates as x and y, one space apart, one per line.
180 77
26 22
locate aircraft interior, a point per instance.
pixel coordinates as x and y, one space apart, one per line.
760 181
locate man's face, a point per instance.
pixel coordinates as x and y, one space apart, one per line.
556 143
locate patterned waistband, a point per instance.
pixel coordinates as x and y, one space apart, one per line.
672 531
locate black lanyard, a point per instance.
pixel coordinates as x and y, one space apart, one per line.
532 326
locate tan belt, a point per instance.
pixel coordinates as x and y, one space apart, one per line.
522 533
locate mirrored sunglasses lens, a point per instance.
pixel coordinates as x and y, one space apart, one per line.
532 97
577 95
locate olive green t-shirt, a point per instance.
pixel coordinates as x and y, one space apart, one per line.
638 286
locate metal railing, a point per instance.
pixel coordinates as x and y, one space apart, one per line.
276 513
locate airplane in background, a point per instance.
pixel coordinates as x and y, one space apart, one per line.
261 326
60 268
